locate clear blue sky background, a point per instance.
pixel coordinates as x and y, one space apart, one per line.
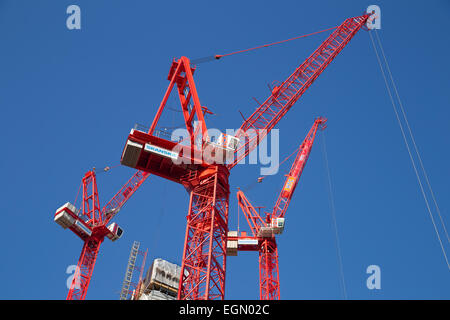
69 99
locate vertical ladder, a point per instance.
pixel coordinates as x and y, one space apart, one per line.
129 272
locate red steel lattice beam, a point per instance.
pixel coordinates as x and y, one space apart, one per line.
204 255
269 281
85 267
283 97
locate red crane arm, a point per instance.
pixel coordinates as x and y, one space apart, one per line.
283 97
296 170
122 196
253 218
255 221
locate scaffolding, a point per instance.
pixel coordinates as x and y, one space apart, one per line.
130 288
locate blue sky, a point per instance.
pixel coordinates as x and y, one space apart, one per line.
69 99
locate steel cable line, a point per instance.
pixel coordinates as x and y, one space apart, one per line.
219 56
333 216
409 150
412 136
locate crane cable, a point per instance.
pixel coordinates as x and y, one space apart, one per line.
219 56
412 138
261 178
333 216
108 168
78 192
407 144
238 214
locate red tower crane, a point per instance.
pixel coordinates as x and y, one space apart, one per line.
90 223
264 230
202 166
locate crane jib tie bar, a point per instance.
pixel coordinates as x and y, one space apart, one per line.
219 56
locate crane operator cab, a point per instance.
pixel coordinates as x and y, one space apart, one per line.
227 142
115 232
277 225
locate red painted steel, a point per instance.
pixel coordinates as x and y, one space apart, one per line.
85 267
204 258
269 282
284 96
91 214
96 220
181 73
296 170
91 206
254 219
125 193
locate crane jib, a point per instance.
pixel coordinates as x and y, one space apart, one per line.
270 112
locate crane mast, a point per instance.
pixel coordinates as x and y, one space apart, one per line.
90 223
203 168
264 230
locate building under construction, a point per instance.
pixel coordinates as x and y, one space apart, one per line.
161 281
